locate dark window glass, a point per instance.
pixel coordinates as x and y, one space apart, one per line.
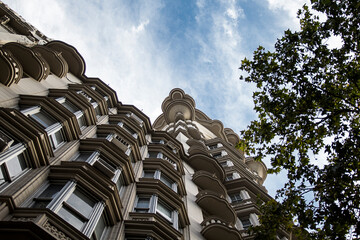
235 198
44 119
70 106
143 204
166 180
71 218
246 223
153 154
2 177
47 195
100 227
81 203
83 156
149 174
120 183
81 121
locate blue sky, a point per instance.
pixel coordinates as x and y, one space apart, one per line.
143 49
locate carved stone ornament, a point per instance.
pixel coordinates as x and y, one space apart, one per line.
56 232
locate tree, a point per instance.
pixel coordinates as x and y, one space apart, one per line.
308 101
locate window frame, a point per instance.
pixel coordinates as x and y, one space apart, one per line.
60 202
18 152
79 114
159 175
153 203
51 130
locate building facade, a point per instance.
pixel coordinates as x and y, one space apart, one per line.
76 163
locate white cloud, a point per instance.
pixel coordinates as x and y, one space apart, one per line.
287 10
141 26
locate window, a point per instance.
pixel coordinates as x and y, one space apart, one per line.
154 204
99 229
12 163
93 103
72 204
217 155
236 198
95 159
154 154
50 192
214 146
157 141
76 111
246 223
51 126
97 109
76 209
130 130
229 177
142 204
157 174
164 210
83 156
224 164
120 183
168 182
149 174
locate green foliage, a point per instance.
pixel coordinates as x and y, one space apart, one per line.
307 101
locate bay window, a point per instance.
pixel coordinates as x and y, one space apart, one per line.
76 111
51 126
72 204
12 163
236 198
154 204
157 174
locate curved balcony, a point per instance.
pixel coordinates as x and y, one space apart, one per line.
11 69
217 205
214 229
58 64
258 168
32 62
75 61
207 163
208 181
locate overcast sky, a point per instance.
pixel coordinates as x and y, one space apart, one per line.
143 49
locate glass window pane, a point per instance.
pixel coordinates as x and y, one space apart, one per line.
81 203
143 204
71 218
2 177
166 180
70 106
41 203
44 119
51 191
164 210
83 156
16 165
120 182
153 154
100 227
81 121
56 139
149 174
